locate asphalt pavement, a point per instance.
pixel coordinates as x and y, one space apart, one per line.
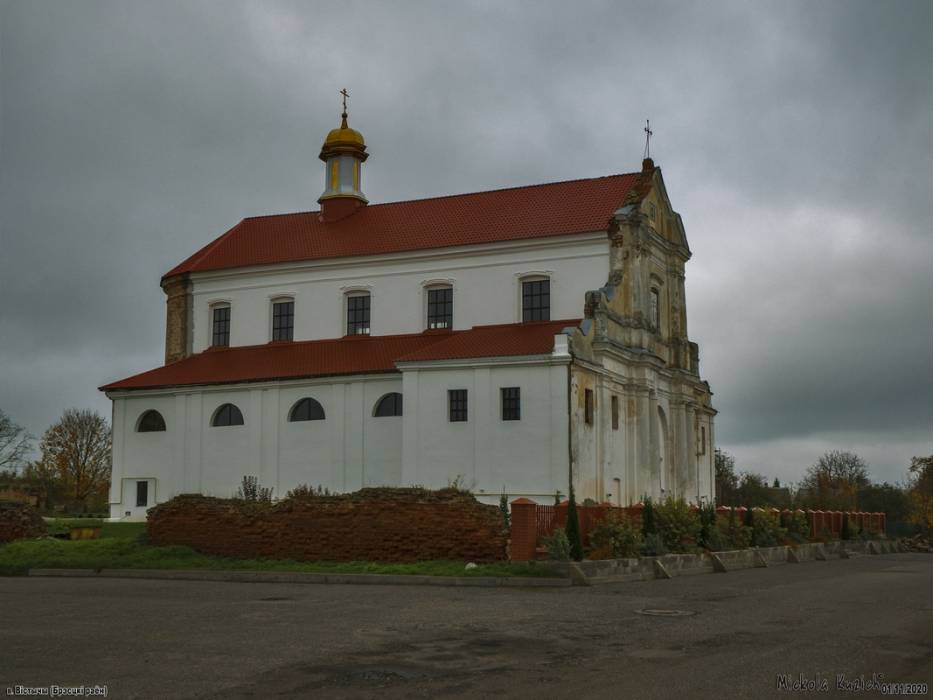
779 632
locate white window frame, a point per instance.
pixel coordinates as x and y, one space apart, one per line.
533 276
356 291
278 298
218 304
426 288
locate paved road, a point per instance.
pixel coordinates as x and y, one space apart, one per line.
164 639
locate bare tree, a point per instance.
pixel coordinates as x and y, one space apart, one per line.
15 443
834 481
77 448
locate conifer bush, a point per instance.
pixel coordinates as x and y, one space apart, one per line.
648 526
573 528
846 533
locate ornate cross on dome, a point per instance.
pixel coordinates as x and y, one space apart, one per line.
648 134
345 96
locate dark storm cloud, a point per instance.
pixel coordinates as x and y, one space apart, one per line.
795 140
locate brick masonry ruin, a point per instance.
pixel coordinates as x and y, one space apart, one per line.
20 521
388 525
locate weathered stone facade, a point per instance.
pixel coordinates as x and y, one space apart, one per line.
649 428
178 317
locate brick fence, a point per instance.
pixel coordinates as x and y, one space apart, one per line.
390 525
532 521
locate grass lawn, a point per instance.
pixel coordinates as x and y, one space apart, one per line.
124 551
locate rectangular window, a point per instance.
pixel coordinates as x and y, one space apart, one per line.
588 406
358 315
440 308
221 326
142 493
536 300
615 412
702 440
457 405
656 308
511 403
283 320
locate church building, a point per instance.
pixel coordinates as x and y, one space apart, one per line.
512 341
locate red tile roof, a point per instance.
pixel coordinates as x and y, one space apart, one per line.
537 211
349 355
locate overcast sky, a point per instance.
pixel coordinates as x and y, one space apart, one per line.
795 139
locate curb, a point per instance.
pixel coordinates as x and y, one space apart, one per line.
304 577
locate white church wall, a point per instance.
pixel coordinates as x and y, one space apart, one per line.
347 450
490 456
486 282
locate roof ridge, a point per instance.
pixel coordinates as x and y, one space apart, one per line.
452 196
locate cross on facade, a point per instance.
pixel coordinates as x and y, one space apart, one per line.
345 96
648 134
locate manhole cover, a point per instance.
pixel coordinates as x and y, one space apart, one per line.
662 612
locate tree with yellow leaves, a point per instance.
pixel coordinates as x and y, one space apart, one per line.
77 450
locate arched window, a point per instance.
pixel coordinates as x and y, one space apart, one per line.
306 409
228 414
150 422
388 405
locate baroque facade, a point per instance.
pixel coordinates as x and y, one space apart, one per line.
511 340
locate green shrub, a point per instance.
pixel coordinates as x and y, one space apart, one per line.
573 528
846 533
504 509
648 526
798 527
708 529
618 535
653 546
557 545
716 541
734 535
766 530
677 524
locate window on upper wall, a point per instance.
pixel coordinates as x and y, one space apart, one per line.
389 405
588 406
702 440
142 494
151 422
511 403
220 325
655 311
615 412
536 300
358 314
283 319
440 307
306 409
457 405
227 415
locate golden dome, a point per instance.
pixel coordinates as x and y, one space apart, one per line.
344 135
343 139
